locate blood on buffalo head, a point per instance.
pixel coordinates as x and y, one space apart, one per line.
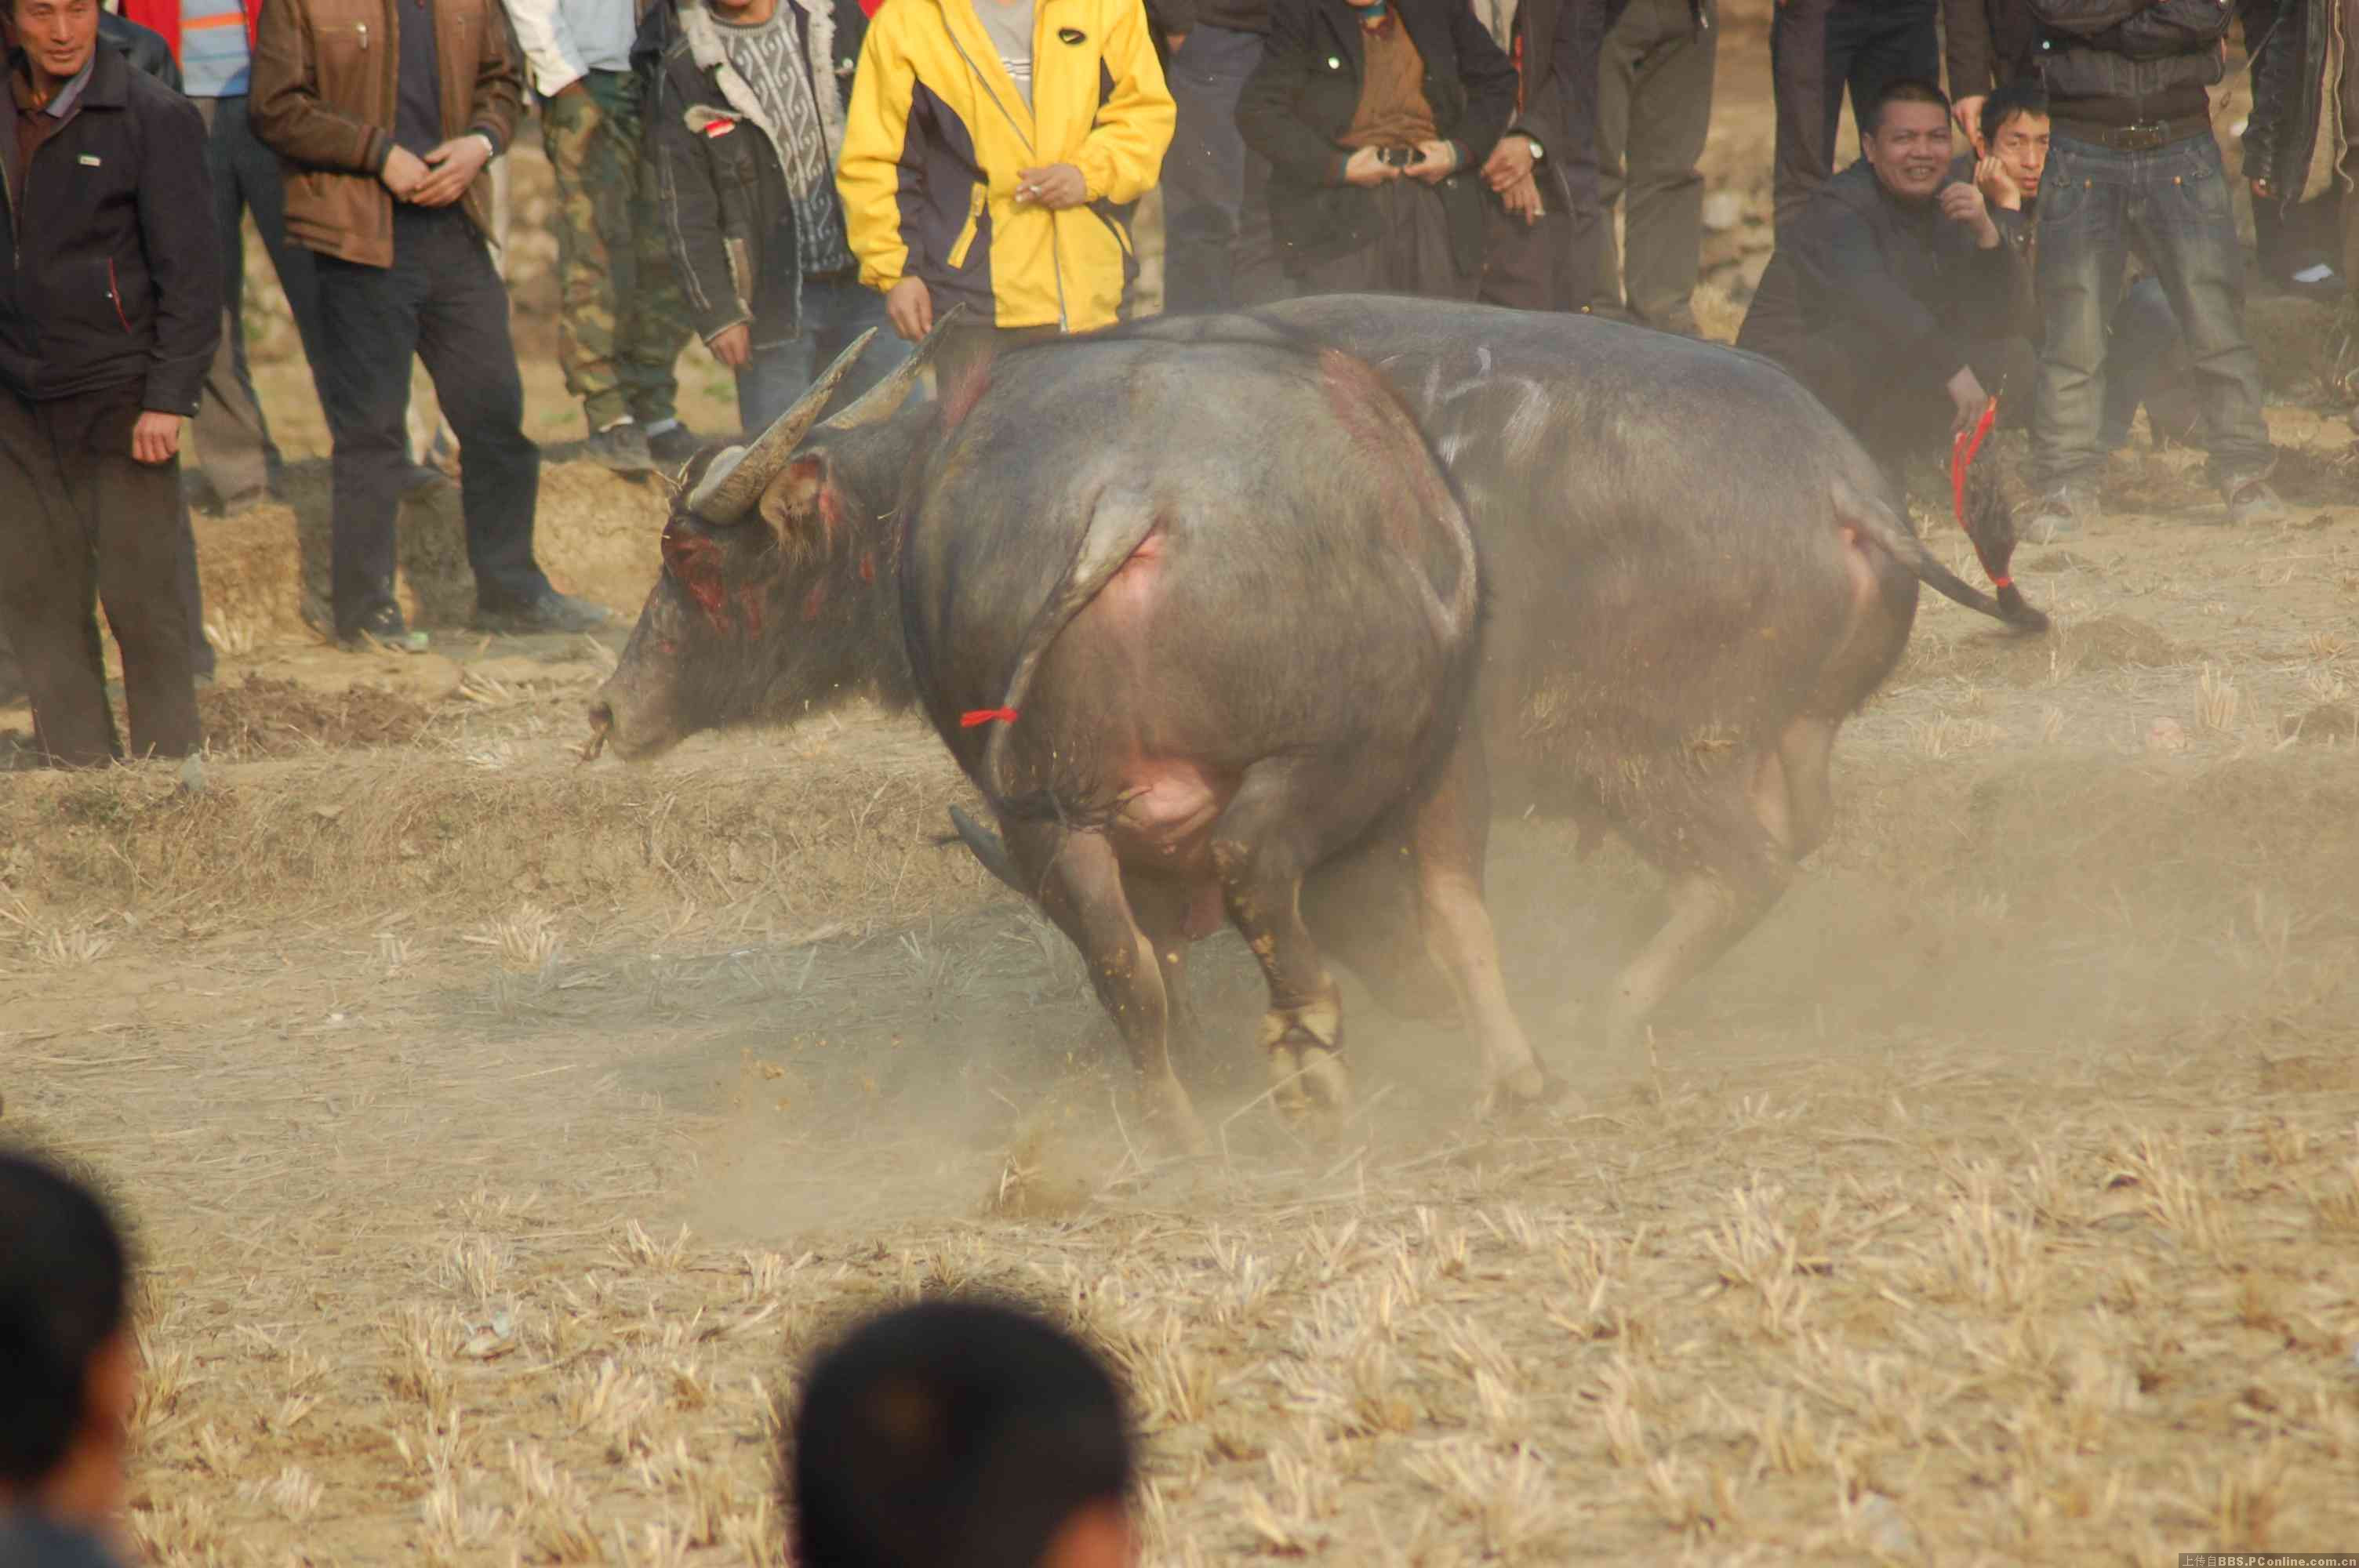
778 597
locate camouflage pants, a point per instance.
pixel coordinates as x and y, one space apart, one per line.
621 320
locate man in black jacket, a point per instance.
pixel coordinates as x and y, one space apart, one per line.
1545 233
1986 43
2132 162
1889 298
1373 118
746 127
2302 83
110 309
146 49
1817 48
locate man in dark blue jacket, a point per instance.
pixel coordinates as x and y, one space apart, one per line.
110 309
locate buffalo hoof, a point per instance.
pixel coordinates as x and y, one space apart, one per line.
1528 1085
1171 1120
1311 1087
1538 1094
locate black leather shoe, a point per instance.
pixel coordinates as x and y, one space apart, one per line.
621 447
674 446
382 626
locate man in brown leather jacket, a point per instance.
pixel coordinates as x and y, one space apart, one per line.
386 113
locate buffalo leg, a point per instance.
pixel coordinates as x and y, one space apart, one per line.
1161 908
1712 904
1364 911
1082 889
1803 752
1452 831
1260 867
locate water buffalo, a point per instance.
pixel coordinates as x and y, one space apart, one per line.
1695 575
1194 620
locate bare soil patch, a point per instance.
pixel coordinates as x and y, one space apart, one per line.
265 716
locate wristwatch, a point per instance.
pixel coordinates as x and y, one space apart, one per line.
1538 152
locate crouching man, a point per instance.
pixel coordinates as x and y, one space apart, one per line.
1893 296
110 309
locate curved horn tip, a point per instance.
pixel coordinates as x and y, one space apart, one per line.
732 497
884 400
724 463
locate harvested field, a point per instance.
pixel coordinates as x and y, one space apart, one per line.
501 1131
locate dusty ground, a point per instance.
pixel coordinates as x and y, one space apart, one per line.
500 1130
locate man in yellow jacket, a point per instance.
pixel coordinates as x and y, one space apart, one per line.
992 154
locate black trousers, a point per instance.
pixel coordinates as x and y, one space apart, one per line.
84 523
1819 47
1412 252
1524 264
442 301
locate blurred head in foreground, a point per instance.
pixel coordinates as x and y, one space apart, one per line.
959 1434
70 1367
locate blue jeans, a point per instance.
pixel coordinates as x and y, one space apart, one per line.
836 310
2172 203
2143 332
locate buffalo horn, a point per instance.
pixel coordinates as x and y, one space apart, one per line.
736 480
884 400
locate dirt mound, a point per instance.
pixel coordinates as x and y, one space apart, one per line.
2329 723
838 833
265 717
2115 642
2061 561
2150 483
2107 642
2294 338
2313 476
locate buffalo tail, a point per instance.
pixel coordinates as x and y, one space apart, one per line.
1875 521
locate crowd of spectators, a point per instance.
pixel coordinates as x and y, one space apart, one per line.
776 176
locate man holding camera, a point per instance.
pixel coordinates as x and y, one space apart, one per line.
1375 118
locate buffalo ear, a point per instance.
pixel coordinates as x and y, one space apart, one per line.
801 504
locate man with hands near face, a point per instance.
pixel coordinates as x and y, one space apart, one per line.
1373 118
385 113
110 312
1889 297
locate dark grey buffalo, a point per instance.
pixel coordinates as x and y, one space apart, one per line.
1194 619
1695 576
